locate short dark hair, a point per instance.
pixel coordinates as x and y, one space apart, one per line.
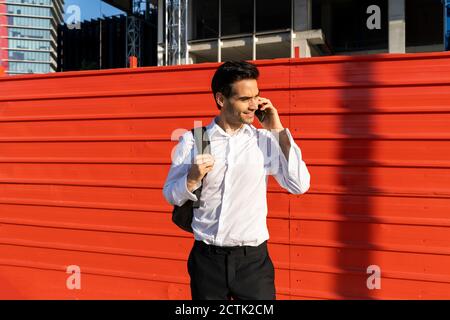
230 72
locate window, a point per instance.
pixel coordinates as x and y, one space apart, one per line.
28 33
32 11
39 2
270 16
29 55
205 19
28 67
28 22
344 23
16 55
29 44
237 17
424 22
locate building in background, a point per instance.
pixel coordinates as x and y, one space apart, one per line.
110 42
102 44
197 31
28 35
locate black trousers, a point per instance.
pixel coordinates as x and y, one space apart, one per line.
222 273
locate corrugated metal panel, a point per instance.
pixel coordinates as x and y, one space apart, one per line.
83 157
374 131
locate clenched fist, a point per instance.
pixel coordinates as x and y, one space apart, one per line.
203 163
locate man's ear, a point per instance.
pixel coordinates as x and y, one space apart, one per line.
219 99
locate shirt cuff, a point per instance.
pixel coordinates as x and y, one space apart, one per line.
183 191
294 156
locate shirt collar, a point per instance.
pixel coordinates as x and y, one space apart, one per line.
214 129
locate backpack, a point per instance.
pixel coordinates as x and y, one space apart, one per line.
182 215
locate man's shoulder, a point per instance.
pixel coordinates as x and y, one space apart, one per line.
187 137
260 131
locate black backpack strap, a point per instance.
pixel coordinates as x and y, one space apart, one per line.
202 142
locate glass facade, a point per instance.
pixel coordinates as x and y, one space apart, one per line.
37 2
30 45
344 24
270 17
205 19
35 22
246 29
424 24
267 29
32 11
238 17
26 67
31 35
29 55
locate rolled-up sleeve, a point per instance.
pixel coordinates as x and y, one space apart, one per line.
175 189
292 173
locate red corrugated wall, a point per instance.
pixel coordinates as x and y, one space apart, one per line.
84 155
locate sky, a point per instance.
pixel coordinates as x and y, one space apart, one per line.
91 9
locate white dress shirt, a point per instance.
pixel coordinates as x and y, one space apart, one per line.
233 204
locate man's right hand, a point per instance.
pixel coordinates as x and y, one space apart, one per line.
203 163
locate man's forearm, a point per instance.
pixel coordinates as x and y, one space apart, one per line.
283 140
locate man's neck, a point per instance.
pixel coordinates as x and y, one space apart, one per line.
229 128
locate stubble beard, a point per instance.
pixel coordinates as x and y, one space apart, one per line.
245 120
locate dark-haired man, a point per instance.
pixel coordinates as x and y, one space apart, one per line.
229 258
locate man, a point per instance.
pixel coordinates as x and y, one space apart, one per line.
229 258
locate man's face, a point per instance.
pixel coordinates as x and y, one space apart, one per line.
241 105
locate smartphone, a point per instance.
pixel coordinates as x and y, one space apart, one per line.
260 114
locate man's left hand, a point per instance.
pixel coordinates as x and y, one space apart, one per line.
272 120
272 123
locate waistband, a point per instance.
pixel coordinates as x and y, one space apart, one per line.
230 250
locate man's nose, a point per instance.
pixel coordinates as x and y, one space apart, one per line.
254 103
